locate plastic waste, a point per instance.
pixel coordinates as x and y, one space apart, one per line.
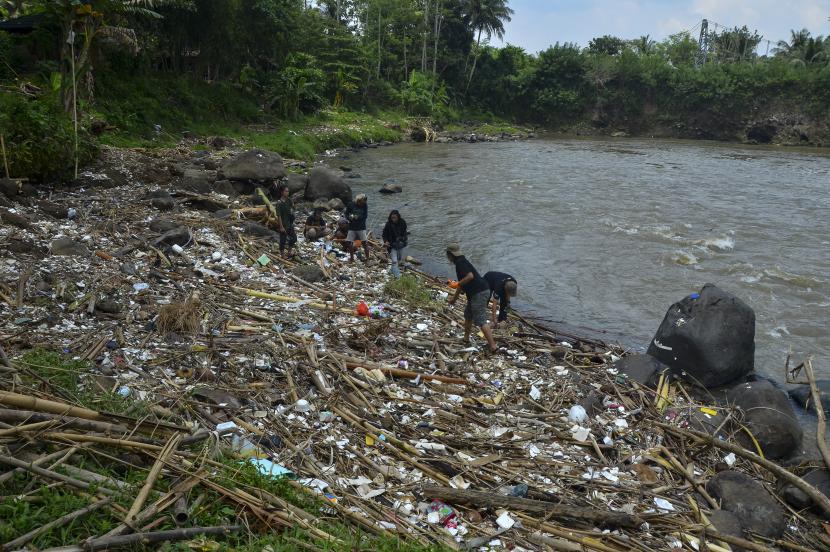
141 286
577 414
326 416
694 296
71 213
302 406
440 512
519 491
124 391
266 467
362 309
216 256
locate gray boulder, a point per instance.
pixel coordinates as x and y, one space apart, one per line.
256 229
309 273
7 217
798 499
53 209
177 236
756 509
324 183
336 204
644 369
163 203
68 247
321 203
727 523
225 187
708 338
13 188
199 181
769 416
296 183
254 165
391 189
801 395
160 225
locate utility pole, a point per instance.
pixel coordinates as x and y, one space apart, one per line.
703 44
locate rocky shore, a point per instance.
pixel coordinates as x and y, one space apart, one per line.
155 280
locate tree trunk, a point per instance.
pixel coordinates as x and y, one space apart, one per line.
405 65
380 34
439 19
426 36
475 61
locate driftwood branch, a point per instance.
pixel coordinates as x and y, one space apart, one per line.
819 498
490 500
173 535
821 426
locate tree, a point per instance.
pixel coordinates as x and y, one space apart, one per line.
679 49
803 49
608 45
488 17
644 45
737 44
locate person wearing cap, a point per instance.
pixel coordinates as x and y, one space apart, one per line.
503 287
315 225
356 213
478 295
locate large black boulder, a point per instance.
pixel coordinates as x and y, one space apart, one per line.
768 415
710 339
798 499
644 369
801 395
198 181
324 183
757 510
254 165
296 183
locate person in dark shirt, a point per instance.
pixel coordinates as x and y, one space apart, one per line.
315 225
356 213
503 287
395 239
285 211
478 295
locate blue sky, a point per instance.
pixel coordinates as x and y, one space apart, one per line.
540 23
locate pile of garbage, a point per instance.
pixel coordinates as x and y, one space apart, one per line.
316 374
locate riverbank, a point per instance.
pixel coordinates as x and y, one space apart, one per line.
172 319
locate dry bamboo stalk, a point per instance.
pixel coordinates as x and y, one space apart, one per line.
168 449
36 462
158 506
19 416
49 474
63 520
696 484
43 405
172 535
821 425
27 427
586 542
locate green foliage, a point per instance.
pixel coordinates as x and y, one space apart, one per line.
40 138
297 88
411 290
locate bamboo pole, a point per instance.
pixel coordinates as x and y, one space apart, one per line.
63 520
145 539
139 501
5 159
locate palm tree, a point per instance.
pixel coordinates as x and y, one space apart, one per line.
802 48
13 8
644 45
488 17
796 43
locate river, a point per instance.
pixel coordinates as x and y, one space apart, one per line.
604 235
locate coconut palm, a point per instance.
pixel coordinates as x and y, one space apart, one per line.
487 17
644 45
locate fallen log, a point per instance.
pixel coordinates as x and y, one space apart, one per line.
491 500
172 535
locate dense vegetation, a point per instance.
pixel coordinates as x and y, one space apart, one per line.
150 69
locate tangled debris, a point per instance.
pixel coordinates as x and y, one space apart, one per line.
209 368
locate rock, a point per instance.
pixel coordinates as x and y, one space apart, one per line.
129 269
107 177
321 203
108 307
220 142
336 204
7 217
323 183
225 187
353 175
756 509
769 417
68 247
234 276
709 340
53 209
24 247
163 203
222 399
418 134
644 369
256 229
296 183
391 189
5 202
160 226
727 523
309 273
592 403
798 499
177 236
199 181
13 188
709 423
206 204
223 214
801 395
254 165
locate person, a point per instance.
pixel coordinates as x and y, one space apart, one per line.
315 225
356 213
395 239
503 287
478 294
285 212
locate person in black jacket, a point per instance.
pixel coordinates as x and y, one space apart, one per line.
356 213
478 294
395 239
502 287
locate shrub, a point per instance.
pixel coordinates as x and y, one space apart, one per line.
40 138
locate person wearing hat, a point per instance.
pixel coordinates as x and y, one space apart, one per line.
356 213
315 225
502 287
478 295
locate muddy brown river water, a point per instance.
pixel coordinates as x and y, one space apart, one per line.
603 235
